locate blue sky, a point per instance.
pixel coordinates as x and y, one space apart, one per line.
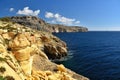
94 14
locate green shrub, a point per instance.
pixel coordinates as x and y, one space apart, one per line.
2 78
2 59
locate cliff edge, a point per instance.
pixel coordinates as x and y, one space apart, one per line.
39 24
25 54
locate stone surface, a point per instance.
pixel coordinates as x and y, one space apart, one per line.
46 65
25 54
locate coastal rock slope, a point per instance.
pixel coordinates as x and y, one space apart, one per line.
25 54
39 24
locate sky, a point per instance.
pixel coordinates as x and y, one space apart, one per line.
96 15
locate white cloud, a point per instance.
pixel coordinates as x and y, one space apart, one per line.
27 11
57 18
57 15
11 9
49 15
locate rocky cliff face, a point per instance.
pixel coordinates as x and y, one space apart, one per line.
25 54
40 24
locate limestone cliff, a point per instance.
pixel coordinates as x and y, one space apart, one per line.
25 54
39 24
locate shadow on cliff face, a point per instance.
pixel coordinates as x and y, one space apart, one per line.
55 52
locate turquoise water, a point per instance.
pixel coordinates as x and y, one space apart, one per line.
95 55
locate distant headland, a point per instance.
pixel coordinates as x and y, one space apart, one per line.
39 24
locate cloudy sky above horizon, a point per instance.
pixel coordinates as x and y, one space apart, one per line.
95 14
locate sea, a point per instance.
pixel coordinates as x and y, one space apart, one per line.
94 54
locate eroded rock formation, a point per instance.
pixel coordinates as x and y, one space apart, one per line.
23 50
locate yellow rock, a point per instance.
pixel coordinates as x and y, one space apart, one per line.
22 54
6 36
41 53
26 66
45 39
67 77
48 73
52 77
30 37
35 77
61 68
9 71
2 48
20 41
55 76
24 43
1 39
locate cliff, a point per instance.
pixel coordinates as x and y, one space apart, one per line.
39 24
25 54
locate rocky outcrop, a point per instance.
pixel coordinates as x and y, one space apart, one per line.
25 54
46 65
23 37
39 24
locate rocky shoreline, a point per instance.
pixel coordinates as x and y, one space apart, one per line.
39 24
25 54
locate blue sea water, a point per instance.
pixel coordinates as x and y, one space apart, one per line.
95 55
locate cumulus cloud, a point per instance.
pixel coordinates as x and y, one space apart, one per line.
29 12
57 18
11 9
49 15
